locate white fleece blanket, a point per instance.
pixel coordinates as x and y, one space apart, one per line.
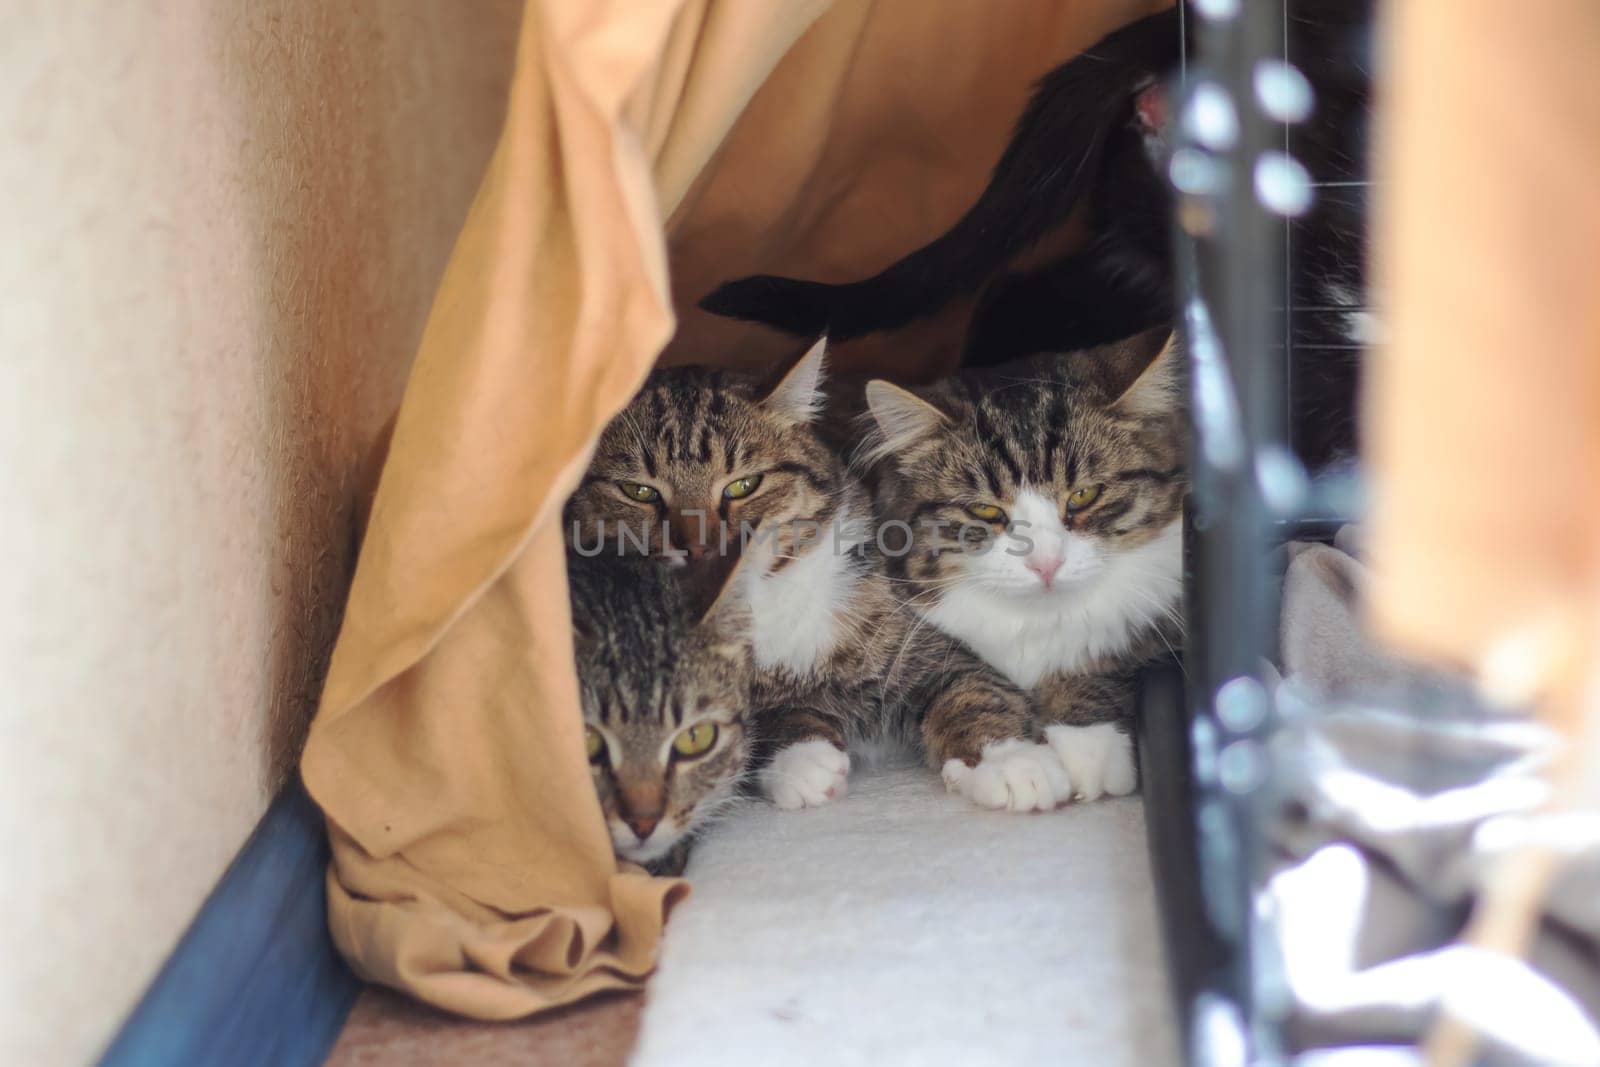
904 926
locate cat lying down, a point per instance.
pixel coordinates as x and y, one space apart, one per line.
989 602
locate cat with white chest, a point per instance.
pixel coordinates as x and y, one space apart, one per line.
1045 507
702 460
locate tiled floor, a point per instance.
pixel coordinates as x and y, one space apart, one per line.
388 1030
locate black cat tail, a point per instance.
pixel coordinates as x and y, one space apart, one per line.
789 304
1047 168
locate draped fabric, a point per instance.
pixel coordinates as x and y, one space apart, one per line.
471 864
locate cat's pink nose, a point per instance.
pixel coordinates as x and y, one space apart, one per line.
642 824
1045 567
641 806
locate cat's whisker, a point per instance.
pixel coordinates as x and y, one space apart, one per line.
1168 613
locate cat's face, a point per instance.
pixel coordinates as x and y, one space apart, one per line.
665 687
701 454
1029 483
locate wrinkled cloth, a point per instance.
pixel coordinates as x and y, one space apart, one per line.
471 865
1398 788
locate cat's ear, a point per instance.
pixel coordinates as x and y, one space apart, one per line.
902 418
798 394
1158 388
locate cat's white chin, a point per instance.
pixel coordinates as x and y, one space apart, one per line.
1031 591
1010 775
806 774
1098 759
658 844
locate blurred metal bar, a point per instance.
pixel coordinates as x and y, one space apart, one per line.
1229 164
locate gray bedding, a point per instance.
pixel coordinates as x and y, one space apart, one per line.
1398 786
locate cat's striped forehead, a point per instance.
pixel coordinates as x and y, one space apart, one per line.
1026 429
644 657
631 621
691 415
1045 428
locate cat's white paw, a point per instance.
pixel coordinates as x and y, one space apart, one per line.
806 774
1098 759
1015 775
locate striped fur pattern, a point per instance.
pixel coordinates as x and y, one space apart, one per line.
1044 502
889 677
841 660
660 653
691 435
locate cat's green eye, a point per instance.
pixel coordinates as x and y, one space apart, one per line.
695 740
742 487
644 494
1082 497
594 743
986 513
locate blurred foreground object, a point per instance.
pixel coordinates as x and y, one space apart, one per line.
1484 413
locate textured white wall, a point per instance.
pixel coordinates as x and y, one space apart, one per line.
220 227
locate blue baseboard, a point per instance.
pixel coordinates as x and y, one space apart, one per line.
255 979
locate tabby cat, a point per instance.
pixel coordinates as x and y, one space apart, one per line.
701 456
664 677
1044 503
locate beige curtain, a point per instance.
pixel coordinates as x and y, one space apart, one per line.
1485 404
471 866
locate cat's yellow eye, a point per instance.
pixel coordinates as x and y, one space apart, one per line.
695 740
986 513
595 744
644 494
742 487
1082 497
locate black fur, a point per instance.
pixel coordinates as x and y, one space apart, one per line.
1051 162
1080 140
